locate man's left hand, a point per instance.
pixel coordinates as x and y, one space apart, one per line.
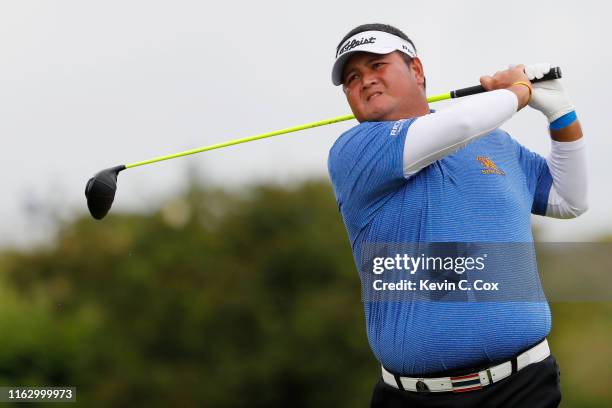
548 96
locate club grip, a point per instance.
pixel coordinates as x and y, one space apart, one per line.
554 73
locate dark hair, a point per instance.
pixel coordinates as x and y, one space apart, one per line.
385 28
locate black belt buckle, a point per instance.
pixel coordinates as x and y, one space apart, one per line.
421 386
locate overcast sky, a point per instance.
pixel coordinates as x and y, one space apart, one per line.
87 85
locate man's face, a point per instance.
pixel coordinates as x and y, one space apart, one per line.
383 87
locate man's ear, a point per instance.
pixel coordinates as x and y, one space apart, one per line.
416 66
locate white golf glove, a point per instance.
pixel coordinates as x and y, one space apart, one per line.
548 96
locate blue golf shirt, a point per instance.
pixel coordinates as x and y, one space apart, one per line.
484 192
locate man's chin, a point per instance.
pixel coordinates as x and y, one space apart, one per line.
377 117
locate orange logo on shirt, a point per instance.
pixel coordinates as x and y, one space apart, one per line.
489 166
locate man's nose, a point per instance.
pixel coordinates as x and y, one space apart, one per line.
368 79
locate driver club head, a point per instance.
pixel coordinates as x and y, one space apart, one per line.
100 191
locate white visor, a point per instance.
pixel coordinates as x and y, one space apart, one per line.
377 42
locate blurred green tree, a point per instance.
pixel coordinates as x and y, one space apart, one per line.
216 299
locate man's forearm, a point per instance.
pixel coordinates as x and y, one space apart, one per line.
567 165
432 137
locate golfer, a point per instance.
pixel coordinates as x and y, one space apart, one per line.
407 174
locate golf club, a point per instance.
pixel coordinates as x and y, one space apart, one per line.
100 189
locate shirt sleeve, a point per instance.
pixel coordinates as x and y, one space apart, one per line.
366 168
435 136
538 177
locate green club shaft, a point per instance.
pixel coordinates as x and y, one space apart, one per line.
243 140
434 98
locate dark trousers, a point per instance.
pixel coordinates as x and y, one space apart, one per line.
535 386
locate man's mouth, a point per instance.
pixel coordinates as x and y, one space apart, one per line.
374 95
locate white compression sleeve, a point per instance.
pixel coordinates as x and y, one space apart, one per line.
567 165
439 134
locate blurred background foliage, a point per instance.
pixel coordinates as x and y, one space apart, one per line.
223 299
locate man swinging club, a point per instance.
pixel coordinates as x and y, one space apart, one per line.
406 174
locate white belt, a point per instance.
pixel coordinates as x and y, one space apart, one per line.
471 381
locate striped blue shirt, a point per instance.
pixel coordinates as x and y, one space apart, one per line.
484 192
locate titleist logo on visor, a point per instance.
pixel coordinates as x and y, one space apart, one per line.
355 43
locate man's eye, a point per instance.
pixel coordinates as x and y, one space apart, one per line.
351 78
377 65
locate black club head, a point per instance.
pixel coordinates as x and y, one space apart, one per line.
100 191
